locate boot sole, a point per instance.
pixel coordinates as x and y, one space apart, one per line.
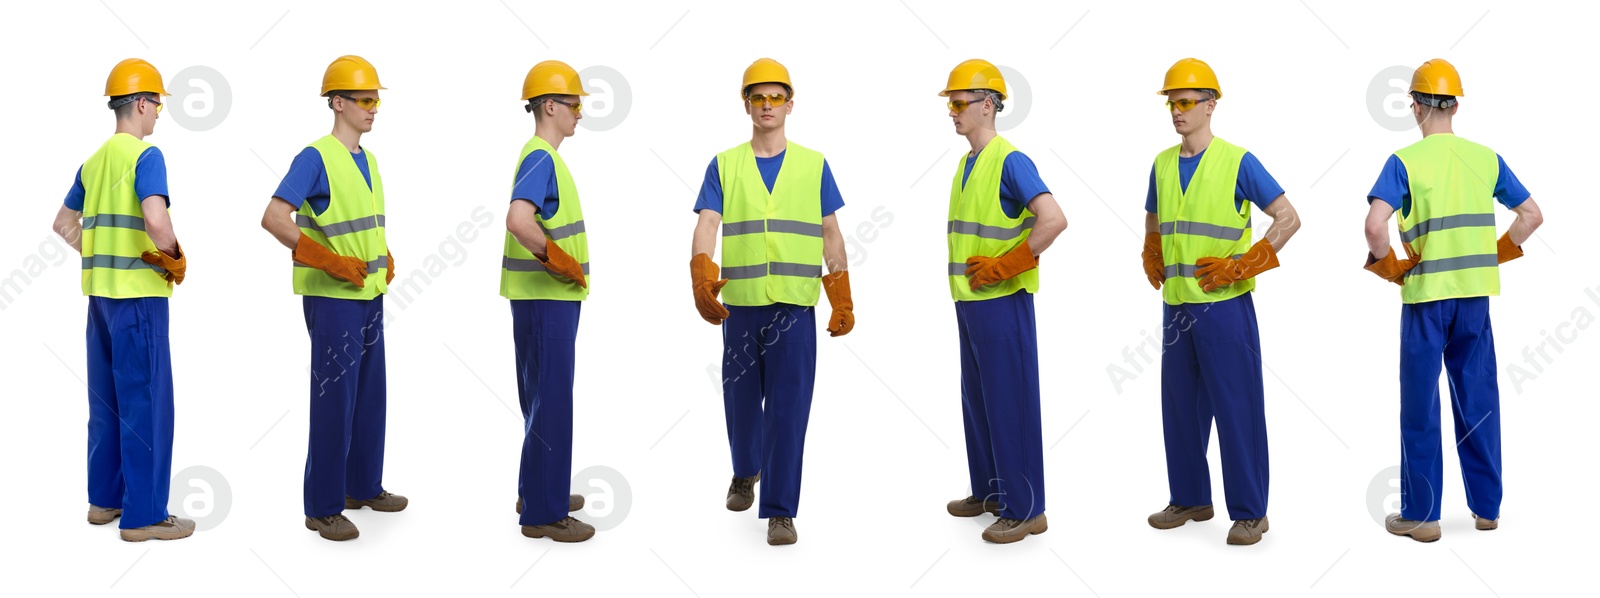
139 536
355 505
527 532
1420 535
1207 517
955 513
1040 527
781 542
103 520
353 535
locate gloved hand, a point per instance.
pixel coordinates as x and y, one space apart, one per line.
843 319
174 266
388 278
1506 250
1391 269
1154 268
1217 272
343 267
703 274
560 264
984 270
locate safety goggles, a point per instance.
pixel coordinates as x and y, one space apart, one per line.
575 107
368 104
1185 105
774 99
959 106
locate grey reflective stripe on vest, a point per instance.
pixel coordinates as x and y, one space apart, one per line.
988 232
339 228
1185 270
773 268
563 231
750 227
114 221
516 264
372 267
1482 260
1202 229
117 262
1433 225
956 269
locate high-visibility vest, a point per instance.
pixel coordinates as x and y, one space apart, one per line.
771 241
1201 221
1451 223
352 225
522 276
978 226
113 225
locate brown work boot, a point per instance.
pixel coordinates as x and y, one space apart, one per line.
1247 531
1176 515
780 531
1007 530
172 528
333 527
1421 531
742 492
971 506
384 501
574 502
568 529
1479 522
103 515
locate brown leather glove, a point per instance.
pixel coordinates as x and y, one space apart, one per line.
560 264
703 274
1506 250
1391 269
1154 268
1217 272
984 270
343 267
388 278
843 319
175 266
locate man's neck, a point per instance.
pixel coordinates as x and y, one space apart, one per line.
549 134
130 127
768 143
1436 126
348 136
980 139
1196 142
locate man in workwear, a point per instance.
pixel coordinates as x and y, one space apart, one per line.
1441 189
774 202
1197 252
545 275
131 260
329 210
1002 217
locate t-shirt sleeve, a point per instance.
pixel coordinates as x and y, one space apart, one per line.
1255 183
1507 189
1150 196
1392 186
75 194
150 175
831 199
304 176
536 183
710 191
1019 183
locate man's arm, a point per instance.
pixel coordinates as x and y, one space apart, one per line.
1528 220
707 228
279 220
70 227
1378 213
158 224
520 222
1285 222
832 244
1049 223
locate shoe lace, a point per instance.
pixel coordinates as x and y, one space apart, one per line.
331 519
783 522
1247 522
1009 522
741 485
1173 508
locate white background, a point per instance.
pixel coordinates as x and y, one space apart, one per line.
885 444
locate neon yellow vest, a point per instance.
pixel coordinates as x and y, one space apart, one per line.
1201 222
113 225
771 241
352 225
978 226
521 274
1451 224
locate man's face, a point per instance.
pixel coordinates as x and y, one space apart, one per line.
975 116
351 113
148 111
560 113
1197 116
767 104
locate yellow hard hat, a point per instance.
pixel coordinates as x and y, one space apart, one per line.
350 73
1191 73
134 75
765 70
1437 77
975 73
552 76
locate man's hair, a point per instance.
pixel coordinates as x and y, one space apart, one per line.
536 105
1210 94
1434 101
123 105
788 91
336 92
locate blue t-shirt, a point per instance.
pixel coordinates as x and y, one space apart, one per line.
149 178
307 180
536 184
1254 182
711 189
1394 187
1019 182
